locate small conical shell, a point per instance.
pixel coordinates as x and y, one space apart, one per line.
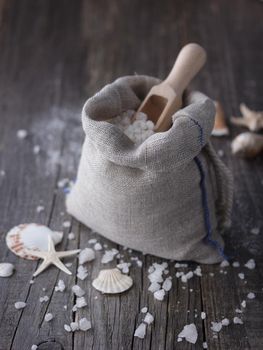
112 281
30 236
220 126
6 269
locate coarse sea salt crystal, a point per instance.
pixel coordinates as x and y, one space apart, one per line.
144 310
236 264
82 272
109 255
244 303
237 320
79 292
205 346
34 347
40 208
21 134
84 324
216 326
225 322
71 236
80 302
189 332
67 328
178 265
48 317
224 263
167 284
148 318
124 267
86 255
43 299
139 263
74 326
66 224
187 276
92 241
97 246
20 305
203 315
251 295
159 294
241 275
140 331
255 230
60 287
250 264
154 287
198 271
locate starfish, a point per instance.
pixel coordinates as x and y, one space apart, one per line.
253 120
51 256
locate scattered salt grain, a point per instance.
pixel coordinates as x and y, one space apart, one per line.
71 236
238 311
48 317
86 255
237 320
250 264
124 267
21 134
36 149
66 224
255 230
31 281
84 324
139 263
74 326
167 284
79 292
159 294
69 264
40 208
67 328
81 302
225 322
216 326
154 287
251 295
144 310
236 264
20 305
241 275
92 241
140 331
178 265
244 303
189 332
198 271
60 287
205 345
34 347
82 272
224 263
203 315
109 255
187 276
98 246
43 299
179 339
148 318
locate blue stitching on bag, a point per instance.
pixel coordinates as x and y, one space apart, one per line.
208 237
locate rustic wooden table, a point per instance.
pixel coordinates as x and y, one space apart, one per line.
53 55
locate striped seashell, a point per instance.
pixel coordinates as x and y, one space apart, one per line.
112 281
30 236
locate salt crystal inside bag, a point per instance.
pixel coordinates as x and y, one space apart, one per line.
170 195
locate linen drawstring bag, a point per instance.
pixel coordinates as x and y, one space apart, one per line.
170 196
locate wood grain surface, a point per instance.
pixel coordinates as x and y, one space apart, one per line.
53 56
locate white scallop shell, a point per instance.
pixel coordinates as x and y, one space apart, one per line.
30 236
6 269
112 281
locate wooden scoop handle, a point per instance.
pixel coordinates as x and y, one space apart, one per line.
190 60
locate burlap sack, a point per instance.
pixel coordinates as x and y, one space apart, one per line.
169 196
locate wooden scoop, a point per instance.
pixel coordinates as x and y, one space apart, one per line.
165 99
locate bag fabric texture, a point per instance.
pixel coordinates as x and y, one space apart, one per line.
171 196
